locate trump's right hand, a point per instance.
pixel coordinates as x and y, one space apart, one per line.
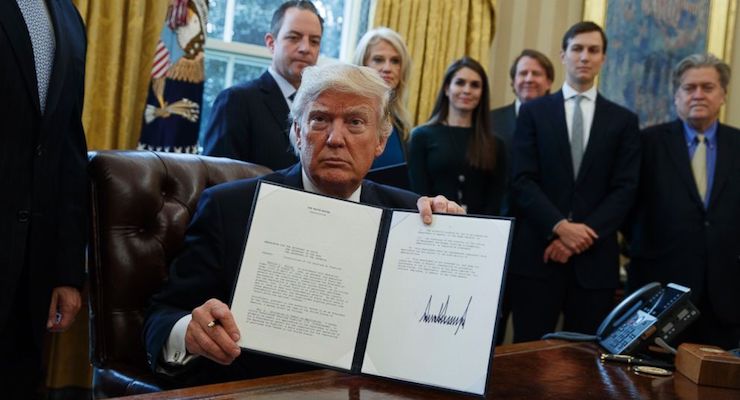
212 333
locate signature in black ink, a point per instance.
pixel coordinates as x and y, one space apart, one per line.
442 318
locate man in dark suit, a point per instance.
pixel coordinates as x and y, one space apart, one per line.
575 171
686 228
341 123
42 166
531 76
249 122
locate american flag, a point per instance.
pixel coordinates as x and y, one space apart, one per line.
161 61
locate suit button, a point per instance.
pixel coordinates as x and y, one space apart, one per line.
706 223
23 216
39 150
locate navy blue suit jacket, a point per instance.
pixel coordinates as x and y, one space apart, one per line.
43 160
249 122
503 123
544 190
673 237
209 262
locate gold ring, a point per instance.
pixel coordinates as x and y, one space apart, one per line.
212 324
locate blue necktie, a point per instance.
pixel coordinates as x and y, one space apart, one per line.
41 31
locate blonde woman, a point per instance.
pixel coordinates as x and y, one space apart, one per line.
383 50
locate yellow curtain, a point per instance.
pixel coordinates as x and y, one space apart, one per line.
121 38
437 32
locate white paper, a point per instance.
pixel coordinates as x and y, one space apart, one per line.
304 275
438 295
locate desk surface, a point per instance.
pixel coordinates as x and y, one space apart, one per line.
534 370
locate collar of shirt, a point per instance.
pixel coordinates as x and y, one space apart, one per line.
285 87
569 92
309 187
710 135
517 106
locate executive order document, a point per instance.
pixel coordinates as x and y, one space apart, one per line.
371 291
304 274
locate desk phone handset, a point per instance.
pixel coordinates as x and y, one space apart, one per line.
649 313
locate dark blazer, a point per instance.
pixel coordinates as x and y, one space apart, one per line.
43 158
674 238
209 262
503 122
249 122
544 190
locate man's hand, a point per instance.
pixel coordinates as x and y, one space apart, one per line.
557 251
439 204
212 333
65 303
578 237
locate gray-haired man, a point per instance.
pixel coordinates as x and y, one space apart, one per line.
686 226
341 123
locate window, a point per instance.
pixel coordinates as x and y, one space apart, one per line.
235 49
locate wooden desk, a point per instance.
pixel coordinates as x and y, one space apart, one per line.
535 370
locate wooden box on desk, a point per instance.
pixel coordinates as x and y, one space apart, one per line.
708 365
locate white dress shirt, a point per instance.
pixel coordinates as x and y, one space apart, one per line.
588 107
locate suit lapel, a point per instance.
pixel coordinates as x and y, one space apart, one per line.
294 177
368 195
675 142
599 125
12 22
275 100
59 70
560 130
724 163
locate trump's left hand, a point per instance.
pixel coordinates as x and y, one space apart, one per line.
66 301
438 204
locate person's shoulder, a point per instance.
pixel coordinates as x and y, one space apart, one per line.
546 102
654 135
613 108
734 132
661 128
426 130
241 187
502 110
388 196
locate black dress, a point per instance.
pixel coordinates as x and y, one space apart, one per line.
438 165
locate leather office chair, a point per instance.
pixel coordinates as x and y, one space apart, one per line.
141 205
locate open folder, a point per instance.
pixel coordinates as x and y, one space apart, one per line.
369 290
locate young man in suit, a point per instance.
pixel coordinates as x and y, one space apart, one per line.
43 161
249 121
576 161
686 228
341 124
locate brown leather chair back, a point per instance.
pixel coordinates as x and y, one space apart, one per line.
141 205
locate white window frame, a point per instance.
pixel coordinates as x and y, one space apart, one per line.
229 51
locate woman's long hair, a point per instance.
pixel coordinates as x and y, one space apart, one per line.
399 113
481 152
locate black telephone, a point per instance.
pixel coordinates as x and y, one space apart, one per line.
650 313
653 312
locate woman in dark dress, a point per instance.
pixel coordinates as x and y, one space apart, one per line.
454 154
383 50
